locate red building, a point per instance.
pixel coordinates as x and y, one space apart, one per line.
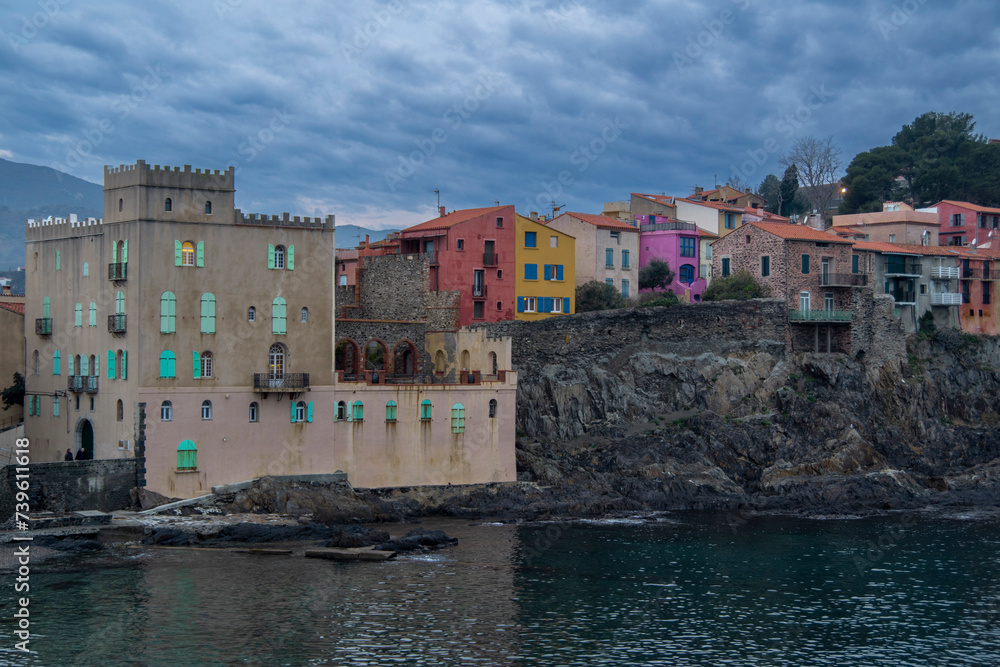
471 251
963 223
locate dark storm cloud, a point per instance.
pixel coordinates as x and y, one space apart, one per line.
363 109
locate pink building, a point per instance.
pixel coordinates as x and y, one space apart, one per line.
677 244
963 223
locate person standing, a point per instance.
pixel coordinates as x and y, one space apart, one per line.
69 455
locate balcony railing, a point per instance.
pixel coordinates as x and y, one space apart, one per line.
819 316
118 271
903 269
43 326
945 272
266 382
490 259
843 279
668 227
479 291
904 297
946 299
82 383
116 323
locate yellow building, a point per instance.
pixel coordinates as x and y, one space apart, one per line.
545 274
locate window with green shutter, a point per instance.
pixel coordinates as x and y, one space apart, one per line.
46 308
93 314
124 364
458 418
187 456
278 323
178 253
854 263
55 406
196 365
120 303
425 410
78 315
270 256
58 261
208 313
56 363
290 260
390 412
200 254
168 365
111 364
168 313
358 411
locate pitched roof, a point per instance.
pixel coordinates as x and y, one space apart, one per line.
13 307
659 199
600 221
452 219
714 204
879 246
766 216
973 207
797 232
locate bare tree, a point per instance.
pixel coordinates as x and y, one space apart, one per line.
819 163
737 183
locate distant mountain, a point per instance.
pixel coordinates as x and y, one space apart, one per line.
30 191
348 236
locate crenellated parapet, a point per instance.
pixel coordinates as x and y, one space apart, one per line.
285 220
141 173
56 227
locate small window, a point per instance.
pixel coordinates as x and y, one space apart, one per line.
35 362
425 410
499 305
499 274
390 412
617 237
805 263
499 223
725 267
121 205
300 412
168 205
251 314
553 241
279 257
765 266
892 238
493 408
529 304
121 410
530 239
187 254
748 239
254 413
477 310
206 410
166 410
305 315
460 244
458 418
358 411
341 411
206 364
208 208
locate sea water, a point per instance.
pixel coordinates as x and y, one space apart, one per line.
676 589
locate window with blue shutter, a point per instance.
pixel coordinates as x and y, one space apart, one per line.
566 304
547 272
530 239
559 271
520 304
531 272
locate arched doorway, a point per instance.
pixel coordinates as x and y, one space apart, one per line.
85 439
347 357
404 358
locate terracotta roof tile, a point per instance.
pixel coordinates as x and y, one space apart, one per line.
600 221
452 219
973 207
13 307
797 232
716 205
659 199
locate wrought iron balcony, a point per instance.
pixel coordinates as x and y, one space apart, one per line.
490 259
479 291
116 323
118 271
945 272
821 316
668 227
946 299
291 382
82 383
43 326
843 280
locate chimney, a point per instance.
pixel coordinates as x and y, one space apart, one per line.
441 211
698 189
6 290
534 215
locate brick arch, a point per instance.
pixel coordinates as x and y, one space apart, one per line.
347 357
401 363
371 362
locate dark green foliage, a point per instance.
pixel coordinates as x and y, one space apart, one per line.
655 275
598 296
770 189
14 394
788 190
741 285
651 299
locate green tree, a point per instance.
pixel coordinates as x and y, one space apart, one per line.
14 394
655 275
598 296
740 286
788 204
770 189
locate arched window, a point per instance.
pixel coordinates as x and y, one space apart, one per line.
206 410
440 361
206 364
300 412
493 362
86 269
276 361
458 418
93 365
93 314
254 413
187 456
425 410
123 364
168 313
341 411
375 355
78 315
168 205
168 364
208 313
187 254
121 410
686 274
304 315
35 362
278 325
358 411
279 257
208 208
466 361
493 408
251 314
166 411
390 412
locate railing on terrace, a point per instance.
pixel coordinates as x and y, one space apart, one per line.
946 299
82 383
116 323
280 382
479 290
903 269
43 326
490 259
668 227
819 316
118 271
843 280
945 272
904 297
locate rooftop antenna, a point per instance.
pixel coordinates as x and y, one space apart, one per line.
496 201
438 193
556 209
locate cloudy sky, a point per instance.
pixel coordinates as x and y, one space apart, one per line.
364 108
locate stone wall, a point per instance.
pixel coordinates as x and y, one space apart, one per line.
73 485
